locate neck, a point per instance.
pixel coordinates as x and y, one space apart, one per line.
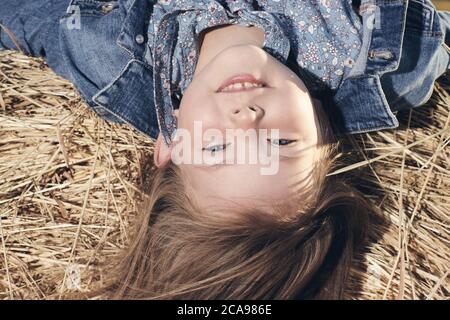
216 39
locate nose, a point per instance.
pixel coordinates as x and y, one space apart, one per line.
246 116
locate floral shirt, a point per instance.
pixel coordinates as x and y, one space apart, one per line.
321 37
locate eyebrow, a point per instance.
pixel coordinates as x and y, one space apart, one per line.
223 165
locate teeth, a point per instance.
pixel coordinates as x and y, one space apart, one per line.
244 85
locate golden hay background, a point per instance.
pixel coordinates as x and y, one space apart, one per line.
69 186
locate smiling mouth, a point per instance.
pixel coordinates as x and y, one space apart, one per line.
241 82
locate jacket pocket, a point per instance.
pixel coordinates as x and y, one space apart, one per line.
421 19
92 58
90 7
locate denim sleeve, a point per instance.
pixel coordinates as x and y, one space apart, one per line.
32 26
76 38
425 56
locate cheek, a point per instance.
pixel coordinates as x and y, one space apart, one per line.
196 108
188 98
299 110
189 106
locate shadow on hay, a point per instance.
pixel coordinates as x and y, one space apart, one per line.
422 116
365 182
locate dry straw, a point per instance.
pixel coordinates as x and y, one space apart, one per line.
69 186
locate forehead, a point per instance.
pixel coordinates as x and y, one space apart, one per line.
244 183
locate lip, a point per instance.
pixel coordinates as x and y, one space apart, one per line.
241 78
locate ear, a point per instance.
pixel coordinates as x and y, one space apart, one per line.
161 154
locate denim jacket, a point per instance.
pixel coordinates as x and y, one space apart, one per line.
404 48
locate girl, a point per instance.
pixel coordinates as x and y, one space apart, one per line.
308 70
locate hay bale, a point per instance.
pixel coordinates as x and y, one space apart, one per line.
406 173
69 186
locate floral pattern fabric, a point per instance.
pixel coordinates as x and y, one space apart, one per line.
322 37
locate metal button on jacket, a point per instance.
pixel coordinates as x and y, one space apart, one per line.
140 39
106 8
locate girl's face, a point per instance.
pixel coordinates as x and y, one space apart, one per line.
283 104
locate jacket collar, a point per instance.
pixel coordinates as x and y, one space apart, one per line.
129 97
360 101
136 16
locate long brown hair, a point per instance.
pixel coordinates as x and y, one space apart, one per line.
180 252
